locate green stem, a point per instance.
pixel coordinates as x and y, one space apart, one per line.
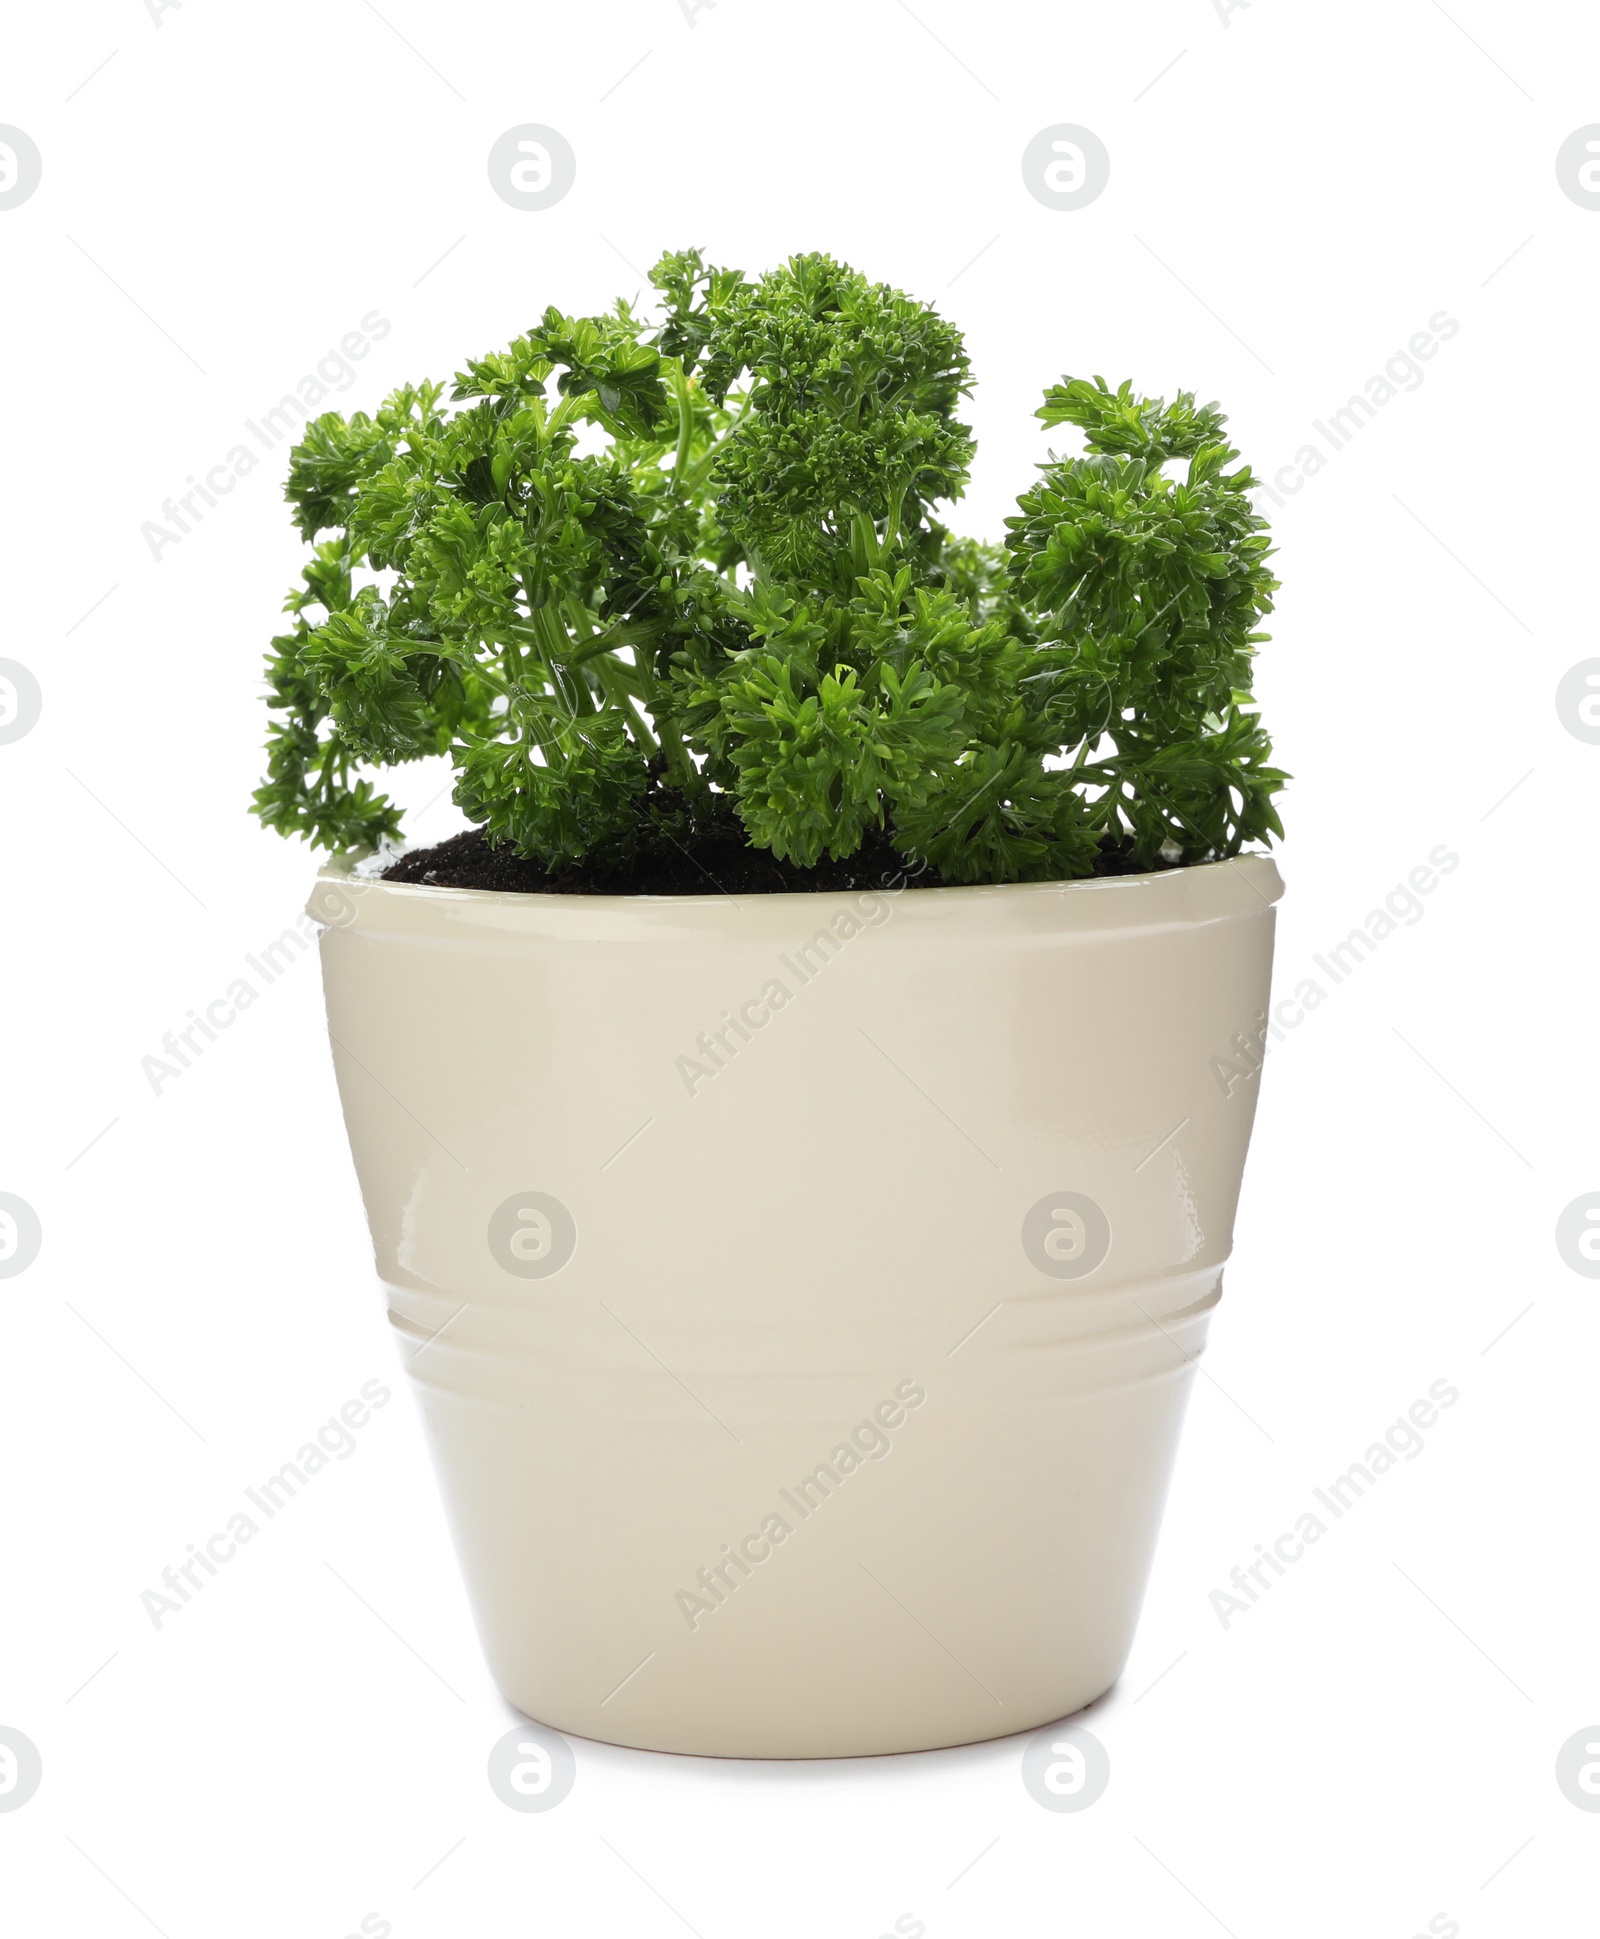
613 678
865 555
562 415
511 661
680 460
697 473
678 759
554 641
891 527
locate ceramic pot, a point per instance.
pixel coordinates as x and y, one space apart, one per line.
803 1291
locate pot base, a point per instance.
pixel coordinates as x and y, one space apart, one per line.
766 1753
765 1581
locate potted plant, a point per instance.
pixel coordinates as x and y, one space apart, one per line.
786 1121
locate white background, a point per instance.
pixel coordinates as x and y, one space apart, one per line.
227 190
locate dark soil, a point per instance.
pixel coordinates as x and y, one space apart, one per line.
719 861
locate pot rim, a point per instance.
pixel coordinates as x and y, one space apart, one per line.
1204 892
345 869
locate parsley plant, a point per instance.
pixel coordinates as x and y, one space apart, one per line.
745 605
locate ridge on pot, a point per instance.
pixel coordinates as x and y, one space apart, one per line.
803 1291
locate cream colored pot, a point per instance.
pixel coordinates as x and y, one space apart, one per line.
803 1291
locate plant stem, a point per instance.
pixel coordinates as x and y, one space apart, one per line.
680 459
